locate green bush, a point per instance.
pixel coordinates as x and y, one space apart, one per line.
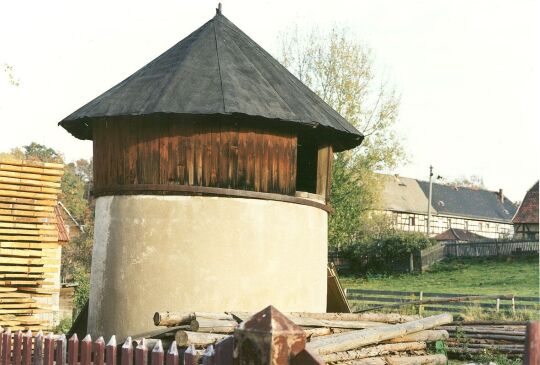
82 291
387 252
64 326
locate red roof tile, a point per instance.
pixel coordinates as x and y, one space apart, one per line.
528 210
456 234
63 236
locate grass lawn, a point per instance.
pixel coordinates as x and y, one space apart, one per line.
469 276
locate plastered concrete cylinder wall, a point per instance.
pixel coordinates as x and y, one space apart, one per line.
196 253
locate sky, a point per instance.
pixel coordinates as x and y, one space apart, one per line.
467 71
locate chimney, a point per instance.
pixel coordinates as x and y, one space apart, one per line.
501 196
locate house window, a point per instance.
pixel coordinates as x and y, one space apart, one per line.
449 223
412 221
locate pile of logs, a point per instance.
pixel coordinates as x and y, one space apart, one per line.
29 248
337 338
472 337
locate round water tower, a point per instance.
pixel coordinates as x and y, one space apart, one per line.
211 176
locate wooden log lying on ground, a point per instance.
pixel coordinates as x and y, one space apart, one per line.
489 331
311 322
422 336
197 339
350 340
490 323
370 317
170 319
366 361
487 346
468 350
212 325
416 360
519 339
373 351
342 320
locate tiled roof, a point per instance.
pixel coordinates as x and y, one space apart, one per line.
469 202
63 236
217 70
456 234
528 210
411 196
402 194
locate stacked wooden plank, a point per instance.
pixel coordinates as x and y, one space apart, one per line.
471 337
338 338
29 248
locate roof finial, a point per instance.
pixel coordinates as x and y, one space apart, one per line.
218 10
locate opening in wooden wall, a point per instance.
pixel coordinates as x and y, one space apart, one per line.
306 170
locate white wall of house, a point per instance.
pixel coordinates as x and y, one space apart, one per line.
417 222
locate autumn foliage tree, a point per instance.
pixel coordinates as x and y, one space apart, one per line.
341 71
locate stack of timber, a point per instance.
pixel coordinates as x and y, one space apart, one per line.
29 248
337 338
471 337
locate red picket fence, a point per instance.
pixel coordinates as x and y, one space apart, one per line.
257 342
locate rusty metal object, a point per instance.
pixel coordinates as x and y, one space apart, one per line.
305 357
268 338
224 351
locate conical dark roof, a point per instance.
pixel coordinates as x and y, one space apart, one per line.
216 70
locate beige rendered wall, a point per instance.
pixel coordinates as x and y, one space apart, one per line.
158 253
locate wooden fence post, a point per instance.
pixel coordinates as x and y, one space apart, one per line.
6 347
27 348
127 352
420 306
86 350
48 354
172 358
532 344
110 351
99 351
498 304
38 349
17 348
141 353
157 356
61 347
73 350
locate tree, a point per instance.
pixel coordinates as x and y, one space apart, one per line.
473 181
340 70
12 80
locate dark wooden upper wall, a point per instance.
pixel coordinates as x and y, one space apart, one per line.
222 154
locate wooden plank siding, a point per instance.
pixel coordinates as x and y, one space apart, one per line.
218 154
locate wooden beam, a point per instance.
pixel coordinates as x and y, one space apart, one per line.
324 170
